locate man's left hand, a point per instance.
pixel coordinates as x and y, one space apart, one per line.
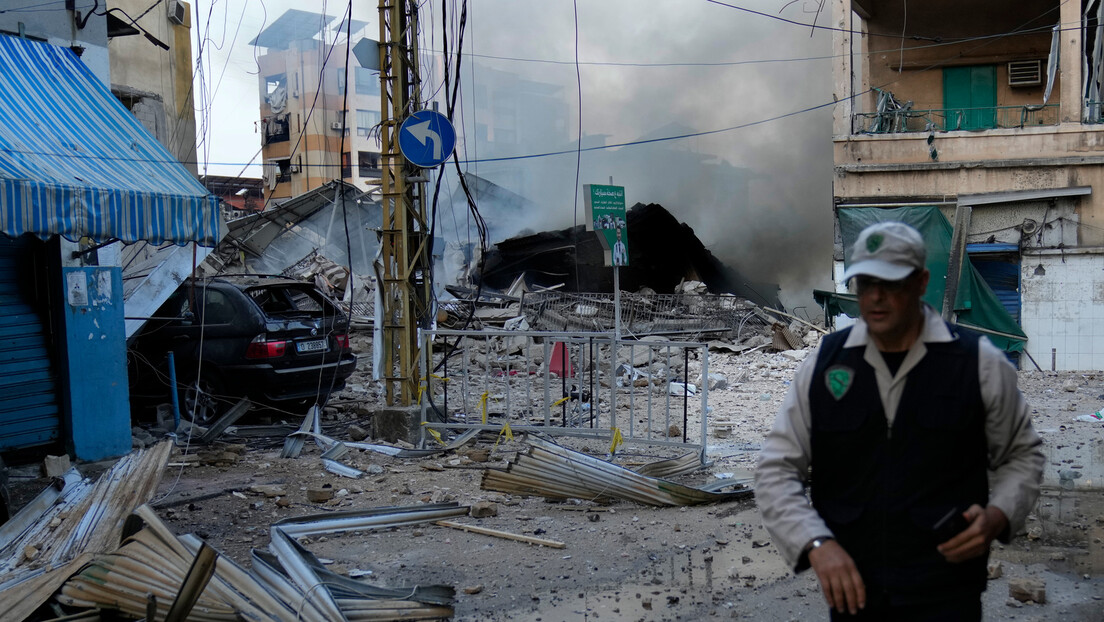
985 524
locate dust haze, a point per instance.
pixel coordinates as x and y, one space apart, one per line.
758 196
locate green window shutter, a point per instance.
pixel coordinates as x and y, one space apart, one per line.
970 97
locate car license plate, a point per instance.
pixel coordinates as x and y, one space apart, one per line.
315 345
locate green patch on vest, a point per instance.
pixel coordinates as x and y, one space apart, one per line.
839 378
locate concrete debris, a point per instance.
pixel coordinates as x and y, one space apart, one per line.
717 381
483 509
268 490
320 495
680 389
995 570
1027 590
55 466
357 433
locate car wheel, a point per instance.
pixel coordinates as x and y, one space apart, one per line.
202 401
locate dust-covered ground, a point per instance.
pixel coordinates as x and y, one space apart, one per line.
625 561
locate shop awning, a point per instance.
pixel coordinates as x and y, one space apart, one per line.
74 161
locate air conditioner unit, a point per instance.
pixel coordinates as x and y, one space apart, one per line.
1025 73
336 125
177 12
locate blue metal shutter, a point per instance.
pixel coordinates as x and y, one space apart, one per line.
999 265
29 413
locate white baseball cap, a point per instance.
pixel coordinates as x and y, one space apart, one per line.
887 250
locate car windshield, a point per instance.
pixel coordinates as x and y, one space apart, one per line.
290 302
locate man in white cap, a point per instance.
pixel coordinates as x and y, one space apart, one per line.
919 444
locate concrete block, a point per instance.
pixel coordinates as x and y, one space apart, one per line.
55 466
395 424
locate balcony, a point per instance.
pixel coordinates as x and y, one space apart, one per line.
904 119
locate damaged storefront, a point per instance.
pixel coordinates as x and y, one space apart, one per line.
77 174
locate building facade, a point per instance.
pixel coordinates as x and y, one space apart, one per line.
312 130
994 106
80 174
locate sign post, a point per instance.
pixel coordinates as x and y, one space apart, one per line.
605 213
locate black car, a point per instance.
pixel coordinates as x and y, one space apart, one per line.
280 342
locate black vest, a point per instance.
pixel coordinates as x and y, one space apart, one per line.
882 490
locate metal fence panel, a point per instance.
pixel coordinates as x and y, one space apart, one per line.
576 384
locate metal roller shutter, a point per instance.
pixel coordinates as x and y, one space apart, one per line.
29 412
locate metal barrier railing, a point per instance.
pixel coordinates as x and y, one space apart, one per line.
573 384
643 314
951 119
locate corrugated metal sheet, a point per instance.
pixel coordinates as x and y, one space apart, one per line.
28 382
74 161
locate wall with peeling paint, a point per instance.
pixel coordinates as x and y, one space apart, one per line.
95 399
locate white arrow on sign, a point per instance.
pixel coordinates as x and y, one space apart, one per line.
422 132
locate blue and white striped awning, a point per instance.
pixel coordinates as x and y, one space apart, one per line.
74 161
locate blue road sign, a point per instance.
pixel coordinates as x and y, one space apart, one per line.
427 138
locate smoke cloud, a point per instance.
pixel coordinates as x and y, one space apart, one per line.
758 197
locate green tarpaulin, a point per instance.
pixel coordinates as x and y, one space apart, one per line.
976 304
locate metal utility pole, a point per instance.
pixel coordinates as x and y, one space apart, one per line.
405 233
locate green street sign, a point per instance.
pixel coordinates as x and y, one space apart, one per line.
605 212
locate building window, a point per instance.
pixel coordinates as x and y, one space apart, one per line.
366 120
276 92
341 81
277 171
368 164
367 81
276 129
346 166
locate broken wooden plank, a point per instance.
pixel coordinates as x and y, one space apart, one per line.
554 544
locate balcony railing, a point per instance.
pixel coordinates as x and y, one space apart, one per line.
1094 112
951 119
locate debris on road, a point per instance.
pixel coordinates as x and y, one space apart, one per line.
550 470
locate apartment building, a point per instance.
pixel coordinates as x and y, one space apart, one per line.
312 130
994 106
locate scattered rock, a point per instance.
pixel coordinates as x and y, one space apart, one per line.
357 433
674 431
996 570
1025 590
479 455
268 490
1069 385
473 589
319 495
30 553
374 469
483 509
55 466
